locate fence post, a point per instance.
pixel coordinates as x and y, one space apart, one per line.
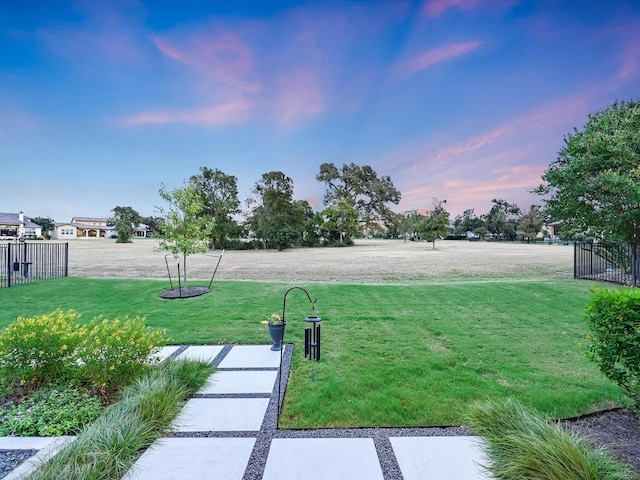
66 259
634 264
9 264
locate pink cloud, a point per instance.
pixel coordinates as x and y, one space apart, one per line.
223 57
299 96
432 57
435 8
229 113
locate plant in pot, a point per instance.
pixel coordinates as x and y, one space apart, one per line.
276 330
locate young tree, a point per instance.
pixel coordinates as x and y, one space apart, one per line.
185 230
594 185
274 216
220 192
435 224
361 187
125 220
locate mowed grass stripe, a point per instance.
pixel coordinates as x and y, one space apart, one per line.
393 355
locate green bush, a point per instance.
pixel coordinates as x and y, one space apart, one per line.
522 445
112 353
51 412
35 351
51 349
613 317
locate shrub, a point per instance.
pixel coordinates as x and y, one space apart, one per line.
52 349
35 351
523 445
613 317
51 412
112 353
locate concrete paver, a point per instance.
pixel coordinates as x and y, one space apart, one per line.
251 356
201 352
322 459
222 415
240 382
193 459
46 446
164 353
439 458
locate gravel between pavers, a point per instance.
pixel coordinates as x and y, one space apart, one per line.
11 459
258 459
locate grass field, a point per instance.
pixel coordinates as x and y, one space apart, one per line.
392 354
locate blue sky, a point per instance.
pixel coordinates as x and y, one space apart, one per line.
103 101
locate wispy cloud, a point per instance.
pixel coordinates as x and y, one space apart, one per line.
230 113
432 57
435 8
298 97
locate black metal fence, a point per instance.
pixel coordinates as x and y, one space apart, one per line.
32 261
608 262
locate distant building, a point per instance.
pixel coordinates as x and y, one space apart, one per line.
16 225
83 227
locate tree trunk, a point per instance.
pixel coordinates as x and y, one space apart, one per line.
184 269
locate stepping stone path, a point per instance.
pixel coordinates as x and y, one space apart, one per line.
228 430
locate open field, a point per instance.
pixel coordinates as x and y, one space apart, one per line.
369 261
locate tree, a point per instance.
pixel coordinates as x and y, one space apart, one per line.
154 224
435 224
340 222
467 222
125 220
594 185
530 223
185 230
47 224
361 187
502 219
275 217
220 192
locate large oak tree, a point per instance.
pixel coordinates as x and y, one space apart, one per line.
362 188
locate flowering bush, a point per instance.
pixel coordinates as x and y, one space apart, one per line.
112 353
103 355
35 350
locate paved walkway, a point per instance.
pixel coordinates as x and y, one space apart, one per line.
228 430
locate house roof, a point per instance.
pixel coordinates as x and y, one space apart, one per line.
88 219
14 219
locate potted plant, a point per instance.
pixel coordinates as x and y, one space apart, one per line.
276 330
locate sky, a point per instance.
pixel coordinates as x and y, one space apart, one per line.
104 101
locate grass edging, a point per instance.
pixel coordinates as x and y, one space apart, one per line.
522 444
109 447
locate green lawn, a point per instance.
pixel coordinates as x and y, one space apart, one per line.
393 355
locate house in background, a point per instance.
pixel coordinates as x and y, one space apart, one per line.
15 225
83 227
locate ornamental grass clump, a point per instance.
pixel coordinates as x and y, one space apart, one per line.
109 447
522 445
